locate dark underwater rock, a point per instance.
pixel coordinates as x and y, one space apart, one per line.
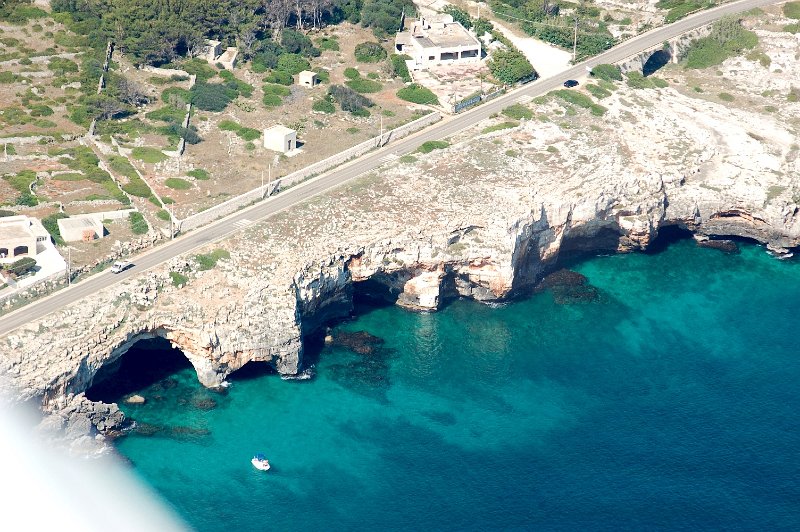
360 342
726 246
568 287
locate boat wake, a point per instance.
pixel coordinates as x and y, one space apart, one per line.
304 375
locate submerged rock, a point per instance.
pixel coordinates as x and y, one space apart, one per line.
205 403
568 287
727 246
360 342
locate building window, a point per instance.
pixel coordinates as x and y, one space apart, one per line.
449 56
20 250
431 58
469 53
3 253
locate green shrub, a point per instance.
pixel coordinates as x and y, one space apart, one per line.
293 63
137 187
10 149
408 159
148 155
138 223
351 73
199 68
199 174
431 145
41 110
178 279
22 180
607 72
350 100
362 112
725 97
228 125
212 96
50 223
364 86
323 75
518 112
272 100
792 10
323 106
8 77
177 183
209 260
597 91
176 96
279 76
659 83
399 67
162 215
727 39
581 100
167 113
26 199
121 166
328 43
370 52
792 28
510 66
21 267
500 126
277 90
417 94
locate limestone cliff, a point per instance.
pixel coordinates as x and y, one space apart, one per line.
484 219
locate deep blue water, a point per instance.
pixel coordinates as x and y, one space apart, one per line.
670 401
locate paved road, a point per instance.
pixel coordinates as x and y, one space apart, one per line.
448 126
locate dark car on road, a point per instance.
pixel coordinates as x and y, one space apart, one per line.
571 83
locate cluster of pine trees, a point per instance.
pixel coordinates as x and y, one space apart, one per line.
159 31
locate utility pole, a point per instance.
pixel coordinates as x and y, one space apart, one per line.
575 41
380 142
171 222
69 265
262 184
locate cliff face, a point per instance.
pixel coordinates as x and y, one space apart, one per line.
484 219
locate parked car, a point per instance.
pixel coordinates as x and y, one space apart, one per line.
120 266
571 83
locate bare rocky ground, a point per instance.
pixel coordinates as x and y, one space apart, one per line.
484 218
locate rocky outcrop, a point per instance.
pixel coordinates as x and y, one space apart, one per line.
485 219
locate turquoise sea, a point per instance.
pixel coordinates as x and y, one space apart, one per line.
664 396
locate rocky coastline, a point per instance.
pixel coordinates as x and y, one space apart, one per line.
486 218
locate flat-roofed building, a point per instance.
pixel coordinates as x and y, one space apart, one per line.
280 138
307 78
21 236
437 40
80 228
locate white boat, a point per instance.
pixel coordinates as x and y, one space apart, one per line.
259 462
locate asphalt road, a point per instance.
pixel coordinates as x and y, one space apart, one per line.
449 125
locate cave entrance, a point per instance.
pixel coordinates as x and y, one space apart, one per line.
147 362
656 61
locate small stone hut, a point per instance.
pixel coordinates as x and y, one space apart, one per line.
307 78
280 138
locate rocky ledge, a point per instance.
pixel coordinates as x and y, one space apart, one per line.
485 218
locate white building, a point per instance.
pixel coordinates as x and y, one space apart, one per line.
213 54
80 228
307 78
437 41
21 236
280 138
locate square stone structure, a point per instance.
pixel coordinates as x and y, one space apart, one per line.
21 236
80 228
437 40
280 138
307 78
213 50
228 58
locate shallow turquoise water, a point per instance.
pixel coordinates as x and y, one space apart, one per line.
671 402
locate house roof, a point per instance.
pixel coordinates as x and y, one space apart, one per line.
78 223
278 129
